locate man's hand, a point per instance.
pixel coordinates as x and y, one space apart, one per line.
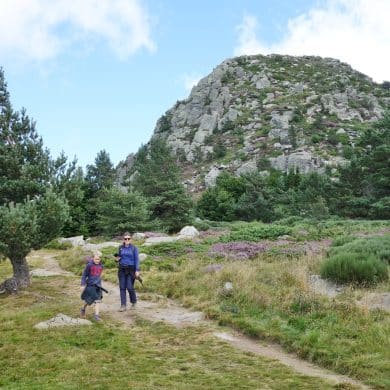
137 274
82 288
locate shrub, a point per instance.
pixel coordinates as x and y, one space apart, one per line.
364 247
316 138
354 268
201 225
55 244
340 241
256 232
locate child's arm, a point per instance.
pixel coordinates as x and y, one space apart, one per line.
85 275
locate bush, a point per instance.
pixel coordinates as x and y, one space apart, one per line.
108 259
340 241
364 247
55 244
201 225
361 261
354 268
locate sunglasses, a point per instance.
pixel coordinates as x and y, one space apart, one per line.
127 238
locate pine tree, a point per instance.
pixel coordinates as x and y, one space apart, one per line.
157 177
100 176
31 214
119 211
24 162
69 181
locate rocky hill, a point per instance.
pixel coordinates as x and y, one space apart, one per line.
261 112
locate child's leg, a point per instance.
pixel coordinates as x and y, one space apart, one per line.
97 308
82 311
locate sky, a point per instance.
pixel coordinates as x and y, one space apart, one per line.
97 74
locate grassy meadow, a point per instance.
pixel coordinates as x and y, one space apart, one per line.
270 299
108 355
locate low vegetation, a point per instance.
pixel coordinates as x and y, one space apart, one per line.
271 296
110 356
362 261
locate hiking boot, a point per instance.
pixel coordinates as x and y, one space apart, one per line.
97 318
122 308
82 312
134 305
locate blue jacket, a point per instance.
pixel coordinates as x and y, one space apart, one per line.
92 274
129 256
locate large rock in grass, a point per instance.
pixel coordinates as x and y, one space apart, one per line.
188 232
75 241
62 320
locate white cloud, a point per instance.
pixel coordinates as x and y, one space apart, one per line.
248 42
354 31
190 80
42 29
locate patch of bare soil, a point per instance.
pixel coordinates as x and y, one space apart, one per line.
276 352
373 301
158 308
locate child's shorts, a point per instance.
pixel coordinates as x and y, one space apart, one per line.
92 294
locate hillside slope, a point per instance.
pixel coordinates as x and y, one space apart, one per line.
260 112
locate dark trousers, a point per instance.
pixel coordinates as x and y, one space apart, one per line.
126 282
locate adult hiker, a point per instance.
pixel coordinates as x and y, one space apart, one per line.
91 284
128 270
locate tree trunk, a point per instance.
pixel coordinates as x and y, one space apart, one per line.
21 278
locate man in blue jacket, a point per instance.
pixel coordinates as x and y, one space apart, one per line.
128 271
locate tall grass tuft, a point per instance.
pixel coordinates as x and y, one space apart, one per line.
360 261
354 268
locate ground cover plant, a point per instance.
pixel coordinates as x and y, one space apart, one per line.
362 261
271 300
109 355
271 297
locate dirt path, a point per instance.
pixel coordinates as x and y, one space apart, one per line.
154 308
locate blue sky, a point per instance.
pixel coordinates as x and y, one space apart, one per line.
97 74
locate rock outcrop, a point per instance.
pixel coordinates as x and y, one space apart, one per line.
260 112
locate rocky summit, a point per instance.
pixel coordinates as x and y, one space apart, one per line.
262 112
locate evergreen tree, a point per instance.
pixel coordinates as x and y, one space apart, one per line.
69 181
364 186
157 177
26 226
30 213
219 203
119 211
257 200
375 158
99 177
24 162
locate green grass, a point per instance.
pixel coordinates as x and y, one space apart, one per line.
361 261
271 300
377 246
110 356
255 232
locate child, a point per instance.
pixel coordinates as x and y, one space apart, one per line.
91 283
